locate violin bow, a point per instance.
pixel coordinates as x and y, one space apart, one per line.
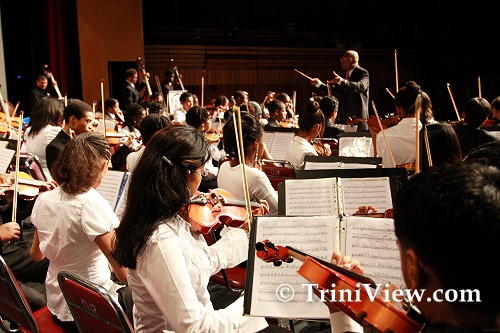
479 85
453 101
383 134
202 89
396 69
102 106
427 146
418 110
390 93
16 174
241 154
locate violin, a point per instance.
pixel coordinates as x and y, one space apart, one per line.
287 124
207 211
491 122
213 137
354 120
323 149
28 188
369 311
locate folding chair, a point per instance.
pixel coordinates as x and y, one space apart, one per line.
92 307
15 308
232 278
33 166
277 171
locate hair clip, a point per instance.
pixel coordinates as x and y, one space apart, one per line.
167 160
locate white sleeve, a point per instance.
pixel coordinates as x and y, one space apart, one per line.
97 219
165 276
230 250
262 189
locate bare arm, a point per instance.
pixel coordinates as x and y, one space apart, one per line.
104 243
35 252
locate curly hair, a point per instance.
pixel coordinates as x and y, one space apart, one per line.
78 167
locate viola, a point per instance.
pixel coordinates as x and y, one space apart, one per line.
375 314
207 211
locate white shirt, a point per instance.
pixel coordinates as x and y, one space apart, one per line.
133 158
67 226
401 140
37 144
180 115
169 285
230 179
298 148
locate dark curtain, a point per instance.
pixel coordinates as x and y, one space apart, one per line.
61 45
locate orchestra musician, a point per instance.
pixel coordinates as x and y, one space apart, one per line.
39 92
494 120
329 105
112 111
187 102
401 137
78 118
74 223
352 90
229 176
470 133
444 147
434 214
170 264
311 125
277 114
44 125
131 88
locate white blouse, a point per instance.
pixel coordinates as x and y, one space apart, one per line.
297 150
169 284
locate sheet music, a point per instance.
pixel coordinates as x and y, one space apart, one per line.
356 146
372 241
336 165
277 143
375 192
6 156
322 165
110 186
312 234
311 196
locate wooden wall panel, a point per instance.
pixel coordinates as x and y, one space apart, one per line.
260 69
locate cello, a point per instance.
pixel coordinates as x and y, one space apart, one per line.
146 77
54 82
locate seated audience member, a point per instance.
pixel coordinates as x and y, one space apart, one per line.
401 137
199 118
45 123
149 126
311 122
77 120
443 145
476 112
329 105
229 177
435 214
169 262
74 223
277 114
